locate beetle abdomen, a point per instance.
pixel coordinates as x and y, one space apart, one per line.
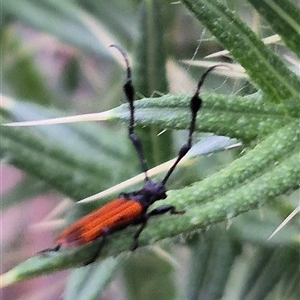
118 213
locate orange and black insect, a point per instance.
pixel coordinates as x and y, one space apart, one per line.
129 208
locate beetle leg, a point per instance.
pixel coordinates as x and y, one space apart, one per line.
157 211
100 245
97 252
135 243
164 209
54 249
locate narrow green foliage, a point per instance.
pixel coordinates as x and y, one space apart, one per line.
79 160
149 76
283 17
243 118
265 68
207 202
13 81
268 268
60 169
210 265
51 16
84 282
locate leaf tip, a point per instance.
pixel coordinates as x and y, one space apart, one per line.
8 278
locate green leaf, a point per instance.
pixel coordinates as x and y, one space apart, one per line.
62 19
217 198
237 117
149 75
210 265
79 159
252 228
117 17
283 17
158 281
268 267
265 68
84 283
16 61
72 158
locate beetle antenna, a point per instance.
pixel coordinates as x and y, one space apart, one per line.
129 93
195 105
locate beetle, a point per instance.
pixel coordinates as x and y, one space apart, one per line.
129 208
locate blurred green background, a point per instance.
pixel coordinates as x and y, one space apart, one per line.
55 61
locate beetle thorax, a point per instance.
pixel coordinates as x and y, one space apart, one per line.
154 191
